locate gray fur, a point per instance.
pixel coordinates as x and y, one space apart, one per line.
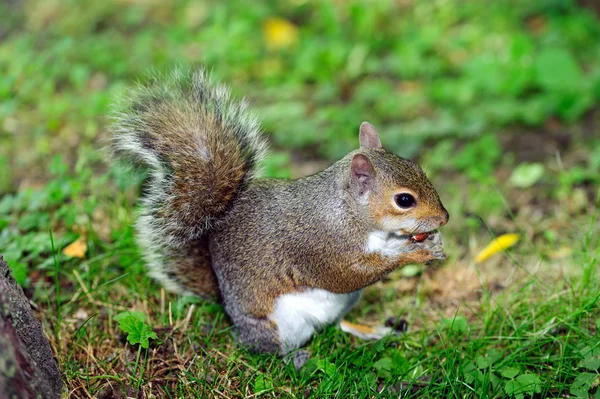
258 333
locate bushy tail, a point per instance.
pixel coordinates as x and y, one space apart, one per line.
201 149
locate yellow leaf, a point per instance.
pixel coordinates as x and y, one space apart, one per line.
498 244
76 249
279 33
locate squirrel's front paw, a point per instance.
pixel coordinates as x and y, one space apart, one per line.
429 249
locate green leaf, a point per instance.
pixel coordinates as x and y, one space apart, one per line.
135 313
483 362
262 384
530 383
392 365
470 372
557 70
583 382
511 387
137 331
591 357
378 346
590 363
7 204
326 367
523 384
526 175
315 364
384 367
510 372
494 355
580 394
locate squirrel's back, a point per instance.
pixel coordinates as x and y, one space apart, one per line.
201 149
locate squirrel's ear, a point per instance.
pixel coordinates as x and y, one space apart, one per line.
368 136
363 173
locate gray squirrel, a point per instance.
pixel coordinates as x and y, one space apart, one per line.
284 257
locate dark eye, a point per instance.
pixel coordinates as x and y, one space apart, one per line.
405 200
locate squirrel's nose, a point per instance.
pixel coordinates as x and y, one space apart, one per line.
444 218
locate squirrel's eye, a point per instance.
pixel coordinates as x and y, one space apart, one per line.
405 200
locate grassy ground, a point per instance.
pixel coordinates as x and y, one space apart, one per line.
497 101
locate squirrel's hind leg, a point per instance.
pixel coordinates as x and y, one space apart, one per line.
186 269
367 332
261 335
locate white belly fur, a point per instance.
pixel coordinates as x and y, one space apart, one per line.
299 315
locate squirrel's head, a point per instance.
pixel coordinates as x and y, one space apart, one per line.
396 194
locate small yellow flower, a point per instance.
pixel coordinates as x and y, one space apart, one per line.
76 249
498 244
279 33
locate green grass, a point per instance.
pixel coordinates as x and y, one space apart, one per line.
498 102
536 326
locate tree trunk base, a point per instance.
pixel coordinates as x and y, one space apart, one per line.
27 367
